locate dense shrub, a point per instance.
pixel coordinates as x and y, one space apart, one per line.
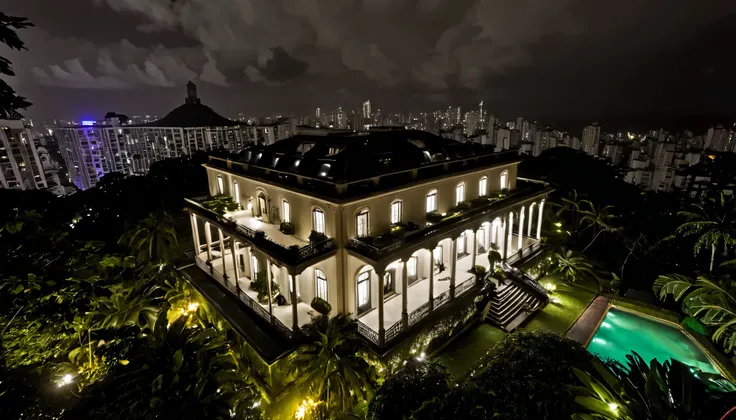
406 390
220 203
317 237
434 217
260 286
287 228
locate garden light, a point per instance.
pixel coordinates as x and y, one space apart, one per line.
613 406
65 380
192 306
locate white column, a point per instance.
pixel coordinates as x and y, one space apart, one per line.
222 254
431 280
521 229
381 329
510 233
404 295
233 253
475 248
294 312
208 238
531 219
453 265
539 222
269 279
249 262
195 235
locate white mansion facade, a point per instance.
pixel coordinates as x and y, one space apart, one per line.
401 217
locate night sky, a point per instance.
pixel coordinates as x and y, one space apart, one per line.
546 59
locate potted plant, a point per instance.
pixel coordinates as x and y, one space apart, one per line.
434 217
316 237
260 286
287 228
322 306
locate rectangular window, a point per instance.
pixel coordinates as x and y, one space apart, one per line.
432 201
461 245
483 187
362 224
437 254
459 193
321 284
396 212
220 185
318 220
286 212
253 267
364 290
411 269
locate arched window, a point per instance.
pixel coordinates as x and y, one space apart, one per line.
364 289
285 211
504 180
236 192
320 284
361 223
220 185
396 209
459 193
483 186
318 220
432 201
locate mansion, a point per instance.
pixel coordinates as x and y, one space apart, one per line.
385 226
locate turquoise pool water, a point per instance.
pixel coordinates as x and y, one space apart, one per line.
622 332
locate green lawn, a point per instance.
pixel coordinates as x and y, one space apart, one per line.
464 352
569 302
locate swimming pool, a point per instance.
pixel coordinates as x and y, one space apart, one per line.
622 332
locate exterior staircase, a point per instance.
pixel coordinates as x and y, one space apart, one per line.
511 306
517 297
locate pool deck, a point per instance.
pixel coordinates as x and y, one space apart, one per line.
588 322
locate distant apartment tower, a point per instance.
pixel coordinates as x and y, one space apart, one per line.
367 109
591 139
94 148
20 165
718 139
317 114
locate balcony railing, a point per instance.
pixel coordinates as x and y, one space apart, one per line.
418 314
441 299
464 287
244 298
290 255
394 331
527 250
368 333
376 252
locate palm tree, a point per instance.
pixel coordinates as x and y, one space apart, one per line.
598 217
332 367
571 267
173 372
713 303
153 239
639 390
712 222
572 203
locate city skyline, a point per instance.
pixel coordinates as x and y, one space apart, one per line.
403 56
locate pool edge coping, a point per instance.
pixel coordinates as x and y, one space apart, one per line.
715 362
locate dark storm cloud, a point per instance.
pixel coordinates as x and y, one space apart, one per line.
519 56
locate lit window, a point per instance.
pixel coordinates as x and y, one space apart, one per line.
236 191
483 186
411 268
396 212
461 244
321 284
437 254
362 223
432 201
504 180
459 193
333 151
318 220
324 169
286 211
364 290
253 266
220 185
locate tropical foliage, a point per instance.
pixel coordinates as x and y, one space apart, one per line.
710 301
10 102
406 390
712 223
153 239
639 390
571 266
333 366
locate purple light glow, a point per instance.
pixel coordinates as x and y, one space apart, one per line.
88 122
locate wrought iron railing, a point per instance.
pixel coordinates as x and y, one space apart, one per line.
289 255
441 299
463 287
368 333
524 252
418 314
394 331
248 301
473 213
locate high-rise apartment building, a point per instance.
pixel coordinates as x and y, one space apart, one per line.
93 149
367 109
591 139
20 165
